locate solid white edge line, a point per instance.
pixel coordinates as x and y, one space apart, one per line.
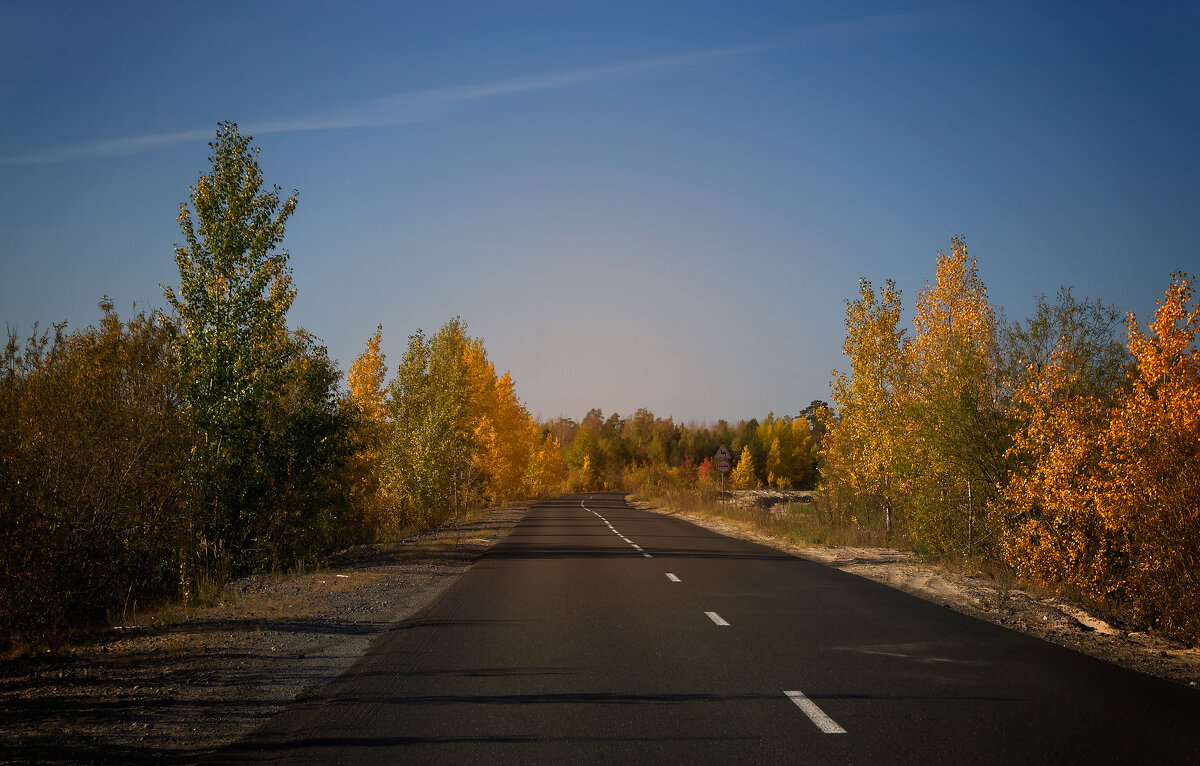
716 618
815 714
671 576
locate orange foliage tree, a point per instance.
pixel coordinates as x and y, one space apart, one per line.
1054 530
1066 369
1152 467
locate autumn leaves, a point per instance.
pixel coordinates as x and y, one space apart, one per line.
1045 444
156 458
446 435
1109 502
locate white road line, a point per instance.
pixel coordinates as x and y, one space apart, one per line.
607 523
816 714
716 618
671 576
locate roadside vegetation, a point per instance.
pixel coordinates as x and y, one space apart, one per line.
1051 447
1062 450
153 459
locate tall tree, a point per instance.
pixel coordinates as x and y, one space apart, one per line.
368 399
958 432
429 452
230 335
1152 470
235 285
862 470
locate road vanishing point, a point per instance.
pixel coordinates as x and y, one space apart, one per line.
599 633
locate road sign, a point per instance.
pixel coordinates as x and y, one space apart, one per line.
723 453
723 465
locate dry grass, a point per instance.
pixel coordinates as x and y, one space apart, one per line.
779 515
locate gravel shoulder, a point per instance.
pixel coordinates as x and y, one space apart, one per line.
1048 617
176 685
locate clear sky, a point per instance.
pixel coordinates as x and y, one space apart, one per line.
658 204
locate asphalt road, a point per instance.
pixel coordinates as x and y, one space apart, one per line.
598 632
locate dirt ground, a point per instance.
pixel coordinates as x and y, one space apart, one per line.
1048 617
177 685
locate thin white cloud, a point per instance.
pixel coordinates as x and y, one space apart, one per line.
401 109
113 147
420 106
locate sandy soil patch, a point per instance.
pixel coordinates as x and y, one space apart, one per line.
176 686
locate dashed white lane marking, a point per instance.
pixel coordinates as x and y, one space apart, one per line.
607 523
816 714
718 619
671 576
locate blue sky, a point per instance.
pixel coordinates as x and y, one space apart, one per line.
634 204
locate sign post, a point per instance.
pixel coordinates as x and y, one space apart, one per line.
723 463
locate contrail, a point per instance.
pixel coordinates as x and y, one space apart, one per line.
424 105
400 109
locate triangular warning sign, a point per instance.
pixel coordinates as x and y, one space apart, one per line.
723 453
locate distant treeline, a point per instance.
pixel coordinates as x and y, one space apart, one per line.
615 453
155 458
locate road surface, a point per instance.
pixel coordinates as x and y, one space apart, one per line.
597 632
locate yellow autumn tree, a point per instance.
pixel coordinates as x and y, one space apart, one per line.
787 444
860 472
367 394
504 439
460 437
547 469
1152 469
366 380
956 431
744 475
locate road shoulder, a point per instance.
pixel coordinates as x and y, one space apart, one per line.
174 687
1049 618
